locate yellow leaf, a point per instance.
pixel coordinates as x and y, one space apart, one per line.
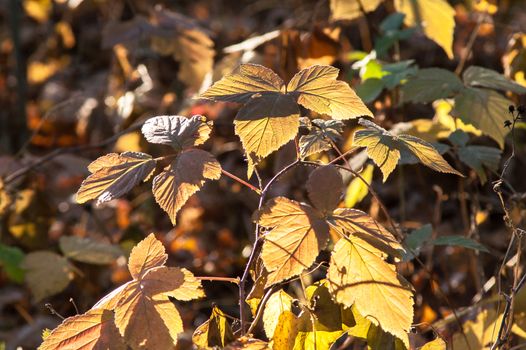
351 9
324 187
267 122
246 343
277 304
437 344
39 10
320 136
184 177
177 131
358 271
436 17
66 33
479 333
147 254
385 149
357 189
93 330
215 332
514 59
297 236
318 89
486 6
47 273
113 175
39 72
443 117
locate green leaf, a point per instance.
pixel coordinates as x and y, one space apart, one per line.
480 157
431 84
370 89
485 109
483 77
10 259
459 138
460 241
416 239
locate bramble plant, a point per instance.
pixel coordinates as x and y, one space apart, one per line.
361 295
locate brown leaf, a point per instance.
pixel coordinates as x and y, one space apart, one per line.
184 177
325 188
93 330
149 253
177 131
114 175
317 89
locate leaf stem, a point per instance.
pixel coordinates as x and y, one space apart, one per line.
241 181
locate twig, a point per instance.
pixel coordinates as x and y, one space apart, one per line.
219 279
469 46
53 311
241 181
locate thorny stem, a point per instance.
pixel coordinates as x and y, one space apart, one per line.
256 247
219 279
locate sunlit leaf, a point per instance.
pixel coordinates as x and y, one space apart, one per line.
215 332
245 343
177 131
437 344
431 84
318 89
184 177
486 110
10 261
277 304
358 271
39 10
113 175
88 250
267 122
320 136
324 188
385 149
479 333
514 59
94 330
297 236
357 189
46 273
436 17
147 254
351 9
487 78
443 117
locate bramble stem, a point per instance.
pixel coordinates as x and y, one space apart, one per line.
241 181
220 279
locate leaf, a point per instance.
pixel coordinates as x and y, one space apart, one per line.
431 84
416 239
267 122
246 343
276 305
460 241
245 81
437 344
357 271
357 189
10 260
385 149
324 187
47 273
514 59
147 254
215 332
350 9
487 78
113 175
184 177
297 236
318 89
89 251
480 157
320 136
436 17
479 333
93 330
177 131
485 109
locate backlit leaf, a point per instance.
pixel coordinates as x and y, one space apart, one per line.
385 149
177 131
358 271
437 344
487 78
245 343
184 177
94 330
485 109
320 136
245 81
324 187
479 333
350 9
318 89
431 84
277 304
436 17
357 189
267 122
479 158
147 254
47 273
297 236
88 250
215 332
114 175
